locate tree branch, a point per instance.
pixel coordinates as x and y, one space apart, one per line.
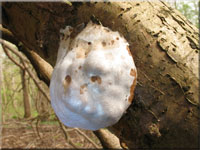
42 68
13 60
101 136
9 47
84 135
108 140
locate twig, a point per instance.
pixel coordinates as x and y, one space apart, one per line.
24 66
28 134
2 29
9 47
8 102
67 138
107 139
42 68
190 101
9 136
151 112
37 127
84 135
13 60
31 144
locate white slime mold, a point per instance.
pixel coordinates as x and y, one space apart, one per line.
93 81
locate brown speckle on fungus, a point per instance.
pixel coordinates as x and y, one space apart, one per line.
82 87
104 43
79 67
117 38
82 53
96 78
87 52
68 79
112 42
133 72
89 43
132 88
66 82
127 47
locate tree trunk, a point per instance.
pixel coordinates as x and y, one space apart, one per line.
42 106
27 106
2 94
1 114
164 45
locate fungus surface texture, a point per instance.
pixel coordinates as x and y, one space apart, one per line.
94 78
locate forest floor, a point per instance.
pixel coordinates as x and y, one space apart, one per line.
24 134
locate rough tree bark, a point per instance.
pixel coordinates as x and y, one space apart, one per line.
164 112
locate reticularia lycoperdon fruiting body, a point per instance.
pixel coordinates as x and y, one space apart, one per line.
93 81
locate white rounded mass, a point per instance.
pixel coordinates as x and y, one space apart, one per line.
94 78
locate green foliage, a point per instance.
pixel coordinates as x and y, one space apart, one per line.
12 92
29 127
189 8
34 113
14 117
78 144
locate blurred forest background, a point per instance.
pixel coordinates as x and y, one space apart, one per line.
27 118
